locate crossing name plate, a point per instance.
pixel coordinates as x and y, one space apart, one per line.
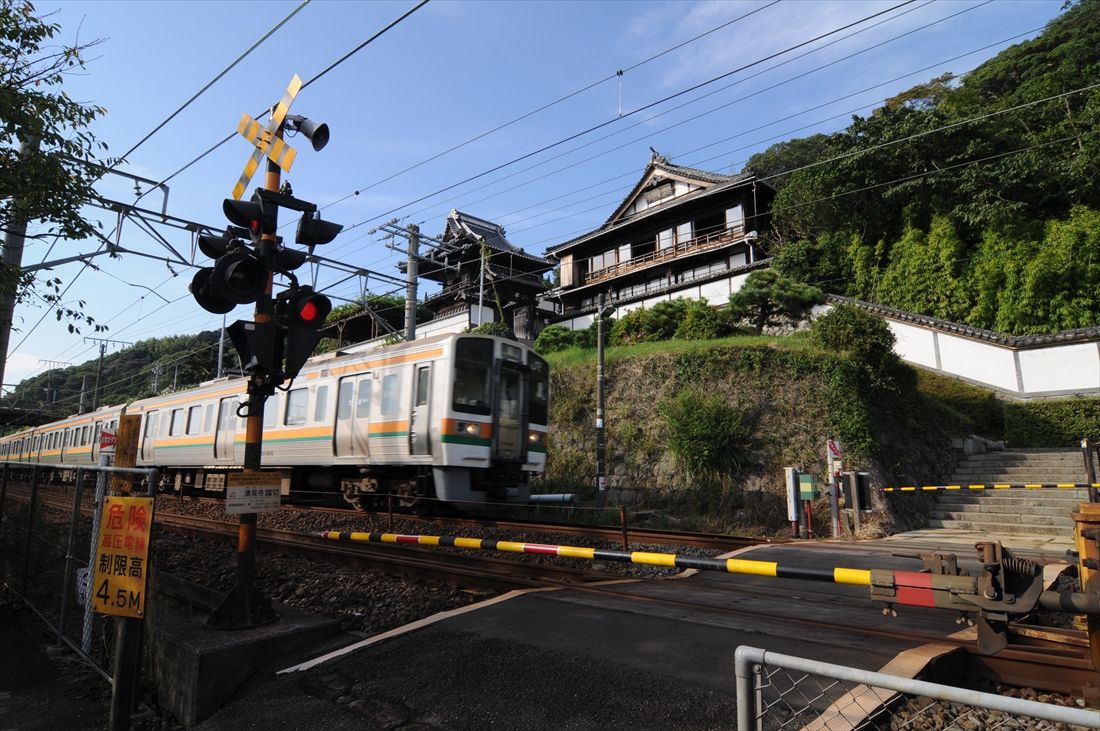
253 492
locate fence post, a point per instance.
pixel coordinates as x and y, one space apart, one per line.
97 506
127 666
69 557
744 664
30 529
3 494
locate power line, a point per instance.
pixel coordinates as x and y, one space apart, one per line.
329 68
629 114
209 84
550 104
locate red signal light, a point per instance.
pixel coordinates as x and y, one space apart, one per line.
308 311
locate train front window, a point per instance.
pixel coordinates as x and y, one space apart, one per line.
539 385
473 375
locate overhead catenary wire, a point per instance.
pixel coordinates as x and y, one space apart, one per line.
625 115
551 104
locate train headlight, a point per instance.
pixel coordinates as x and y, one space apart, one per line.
535 437
468 427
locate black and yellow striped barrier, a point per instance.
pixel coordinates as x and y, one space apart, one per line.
912 588
858 577
997 486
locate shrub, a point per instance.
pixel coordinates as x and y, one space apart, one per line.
705 434
768 297
703 322
659 322
868 340
500 329
554 338
1061 423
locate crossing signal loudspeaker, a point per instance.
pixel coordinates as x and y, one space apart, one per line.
316 133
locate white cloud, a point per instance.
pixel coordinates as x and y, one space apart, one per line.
19 366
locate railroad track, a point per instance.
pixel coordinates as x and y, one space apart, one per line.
1055 661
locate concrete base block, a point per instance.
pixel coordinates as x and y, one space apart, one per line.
197 670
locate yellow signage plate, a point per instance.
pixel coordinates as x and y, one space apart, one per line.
122 556
261 137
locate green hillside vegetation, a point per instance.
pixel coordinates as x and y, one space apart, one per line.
148 367
973 199
707 426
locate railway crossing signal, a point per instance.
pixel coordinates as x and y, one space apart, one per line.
271 351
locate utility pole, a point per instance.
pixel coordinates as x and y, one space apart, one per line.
13 260
411 272
103 343
83 390
51 396
601 447
413 239
221 350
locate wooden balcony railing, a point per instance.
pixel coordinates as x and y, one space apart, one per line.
698 244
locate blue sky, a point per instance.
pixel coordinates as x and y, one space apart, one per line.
445 75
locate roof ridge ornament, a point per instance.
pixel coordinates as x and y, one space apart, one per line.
657 158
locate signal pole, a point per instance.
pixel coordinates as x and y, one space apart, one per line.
51 365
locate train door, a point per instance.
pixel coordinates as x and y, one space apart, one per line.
149 436
510 428
353 416
419 422
226 431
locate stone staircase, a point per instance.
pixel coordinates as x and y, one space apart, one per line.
1014 511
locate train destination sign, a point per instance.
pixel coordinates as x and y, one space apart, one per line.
122 556
252 492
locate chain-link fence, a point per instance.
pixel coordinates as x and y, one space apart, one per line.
777 691
49 523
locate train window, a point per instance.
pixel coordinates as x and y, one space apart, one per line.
423 382
271 413
297 404
343 400
83 436
320 405
194 420
208 421
176 426
473 375
540 389
391 385
362 399
151 423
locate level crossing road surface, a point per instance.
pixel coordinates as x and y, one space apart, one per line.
625 654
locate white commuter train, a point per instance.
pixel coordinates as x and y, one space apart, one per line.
462 418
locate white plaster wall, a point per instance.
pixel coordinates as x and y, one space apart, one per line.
738 281
623 309
1060 368
977 361
654 300
453 324
716 293
914 344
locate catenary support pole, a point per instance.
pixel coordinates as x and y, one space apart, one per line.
412 271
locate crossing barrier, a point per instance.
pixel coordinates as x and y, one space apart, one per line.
998 486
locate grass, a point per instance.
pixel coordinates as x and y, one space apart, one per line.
581 356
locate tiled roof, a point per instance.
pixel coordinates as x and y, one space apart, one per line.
1065 337
462 227
658 163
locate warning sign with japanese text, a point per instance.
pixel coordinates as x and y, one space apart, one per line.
122 556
